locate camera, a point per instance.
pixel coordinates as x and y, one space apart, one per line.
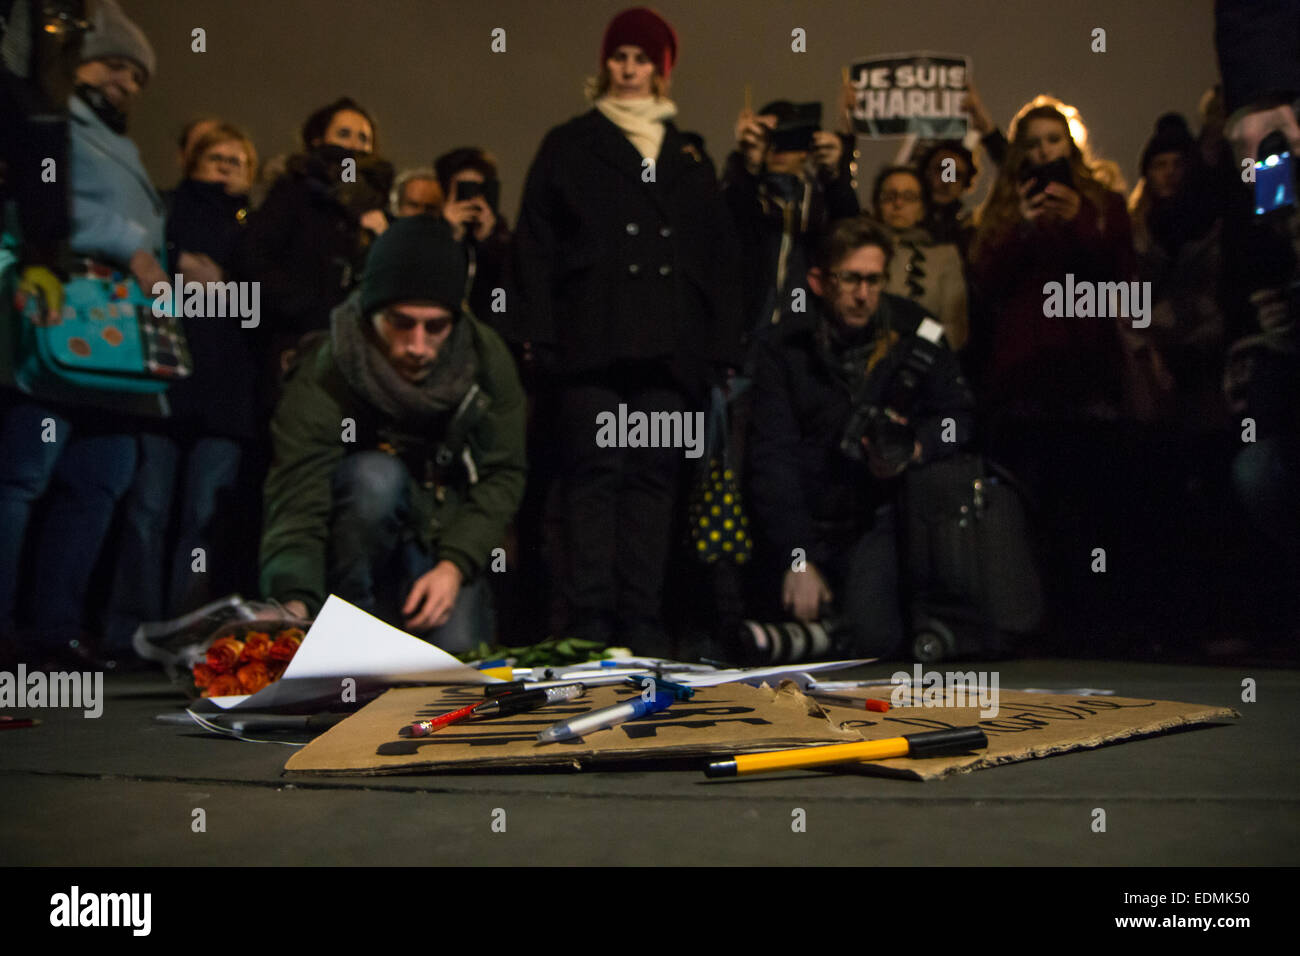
795 128
887 426
891 438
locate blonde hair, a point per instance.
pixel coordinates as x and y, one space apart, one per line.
1093 178
222 133
594 87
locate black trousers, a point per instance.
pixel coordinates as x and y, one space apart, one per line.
618 502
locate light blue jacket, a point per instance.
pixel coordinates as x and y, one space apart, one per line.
115 208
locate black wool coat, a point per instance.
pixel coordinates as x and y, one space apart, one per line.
609 268
218 397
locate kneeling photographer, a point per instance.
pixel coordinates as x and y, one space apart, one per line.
847 396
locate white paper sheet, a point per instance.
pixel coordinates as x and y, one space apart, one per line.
758 675
345 641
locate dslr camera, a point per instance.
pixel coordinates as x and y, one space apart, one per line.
887 425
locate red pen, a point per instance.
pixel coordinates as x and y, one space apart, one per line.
425 727
870 703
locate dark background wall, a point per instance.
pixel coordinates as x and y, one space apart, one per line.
425 70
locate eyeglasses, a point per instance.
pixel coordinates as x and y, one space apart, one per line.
894 195
853 279
404 323
221 159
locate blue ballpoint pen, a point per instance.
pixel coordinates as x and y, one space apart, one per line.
605 717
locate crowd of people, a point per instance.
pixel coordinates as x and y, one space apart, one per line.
411 425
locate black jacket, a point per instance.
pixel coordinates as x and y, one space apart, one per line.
775 241
219 398
1258 42
609 267
804 491
306 246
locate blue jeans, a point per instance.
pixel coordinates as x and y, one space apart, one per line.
374 558
81 477
154 582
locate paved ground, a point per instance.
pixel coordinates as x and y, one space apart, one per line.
1224 794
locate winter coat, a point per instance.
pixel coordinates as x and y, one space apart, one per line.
1034 364
1187 313
218 398
115 211
805 493
609 267
930 273
115 208
459 519
1258 42
777 236
305 247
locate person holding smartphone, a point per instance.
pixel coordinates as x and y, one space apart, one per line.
627 268
1052 385
1047 216
469 181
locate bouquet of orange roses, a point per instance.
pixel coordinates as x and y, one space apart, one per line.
245 657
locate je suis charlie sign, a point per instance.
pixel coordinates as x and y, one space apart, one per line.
910 93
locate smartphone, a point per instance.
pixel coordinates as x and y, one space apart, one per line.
1274 175
796 131
469 189
1057 171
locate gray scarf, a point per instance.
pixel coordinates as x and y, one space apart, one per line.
371 376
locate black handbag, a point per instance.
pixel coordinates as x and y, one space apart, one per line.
968 558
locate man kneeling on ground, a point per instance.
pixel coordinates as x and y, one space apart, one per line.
823 482
398 449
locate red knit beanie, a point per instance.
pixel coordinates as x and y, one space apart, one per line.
641 26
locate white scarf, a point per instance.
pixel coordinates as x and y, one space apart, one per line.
641 120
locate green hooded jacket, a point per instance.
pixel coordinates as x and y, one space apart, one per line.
457 516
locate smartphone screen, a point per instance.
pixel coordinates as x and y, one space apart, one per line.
1274 183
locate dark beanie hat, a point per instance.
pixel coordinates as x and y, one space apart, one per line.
416 259
1171 136
641 26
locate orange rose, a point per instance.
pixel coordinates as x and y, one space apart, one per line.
223 685
253 677
286 645
224 653
203 675
256 646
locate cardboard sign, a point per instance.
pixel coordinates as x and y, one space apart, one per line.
910 93
730 718
1026 726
